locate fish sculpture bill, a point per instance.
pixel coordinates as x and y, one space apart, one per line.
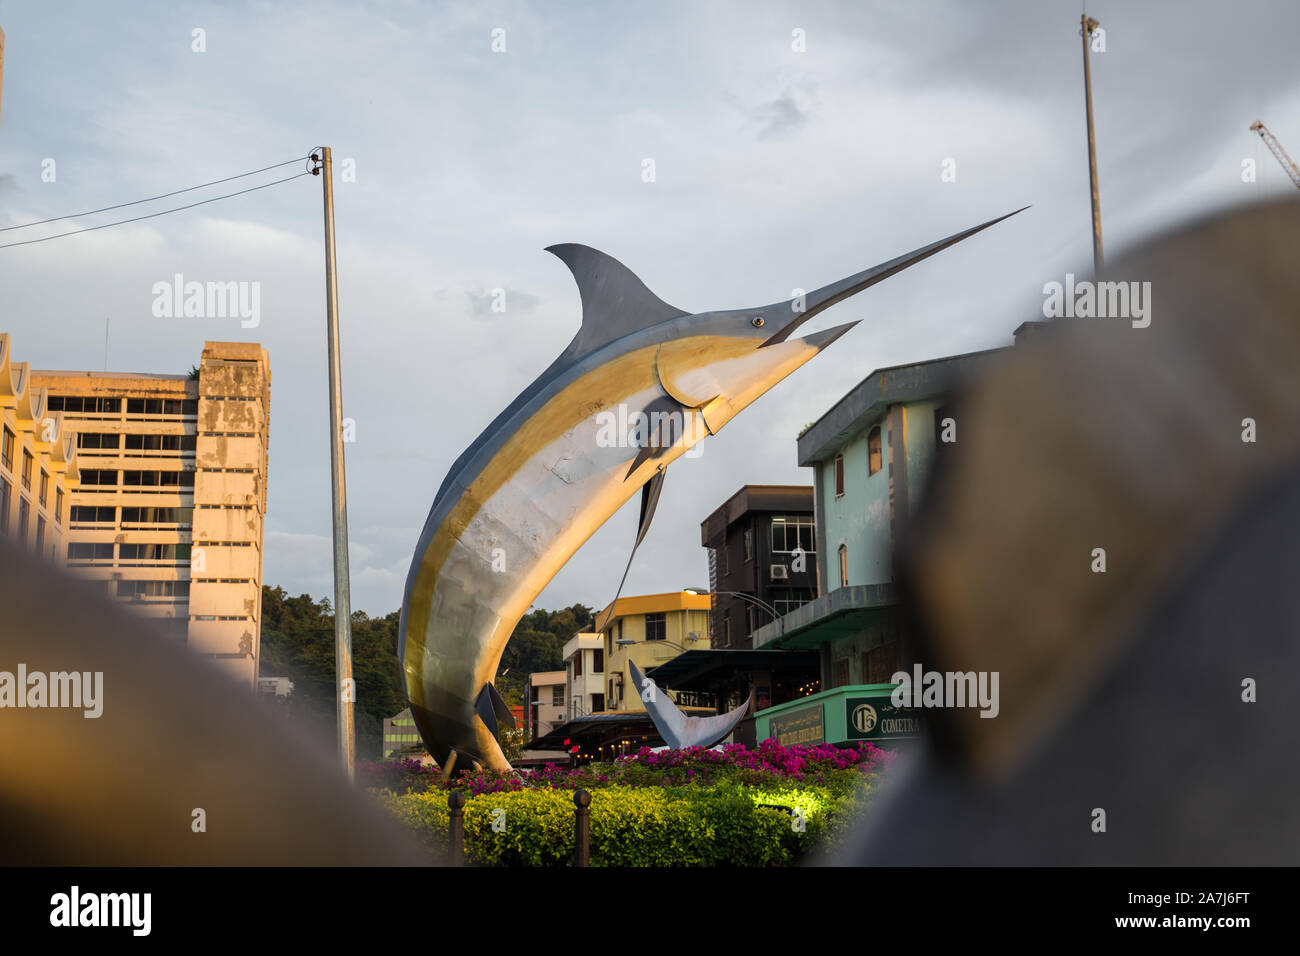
678 730
551 469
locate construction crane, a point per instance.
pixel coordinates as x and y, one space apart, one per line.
1276 149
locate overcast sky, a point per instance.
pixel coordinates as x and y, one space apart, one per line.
774 169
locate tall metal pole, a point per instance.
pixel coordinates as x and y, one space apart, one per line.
346 687
1089 25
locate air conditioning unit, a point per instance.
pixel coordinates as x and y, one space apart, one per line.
779 572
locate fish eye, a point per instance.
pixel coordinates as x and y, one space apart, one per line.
756 321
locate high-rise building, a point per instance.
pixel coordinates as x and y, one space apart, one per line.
38 466
170 508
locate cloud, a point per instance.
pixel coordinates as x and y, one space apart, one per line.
780 118
776 169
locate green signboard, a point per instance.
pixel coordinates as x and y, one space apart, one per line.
876 719
798 728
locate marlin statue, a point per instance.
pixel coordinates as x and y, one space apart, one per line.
553 467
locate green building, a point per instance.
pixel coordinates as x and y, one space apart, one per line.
871 455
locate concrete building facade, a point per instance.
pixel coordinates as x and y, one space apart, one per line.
547 704
38 463
169 513
584 667
761 543
400 736
649 629
871 456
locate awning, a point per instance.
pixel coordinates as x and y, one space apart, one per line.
596 729
700 669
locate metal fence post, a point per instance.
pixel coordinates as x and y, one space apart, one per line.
582 827
456 828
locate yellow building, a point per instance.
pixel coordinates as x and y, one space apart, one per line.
649 629
38 467
169 511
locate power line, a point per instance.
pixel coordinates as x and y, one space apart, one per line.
189 189
154 215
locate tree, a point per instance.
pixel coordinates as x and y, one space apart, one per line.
298 643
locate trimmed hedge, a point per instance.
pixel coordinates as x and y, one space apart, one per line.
717 825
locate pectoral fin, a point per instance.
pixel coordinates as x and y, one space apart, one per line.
492 710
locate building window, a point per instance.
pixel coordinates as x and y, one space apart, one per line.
7 450
844 566
89 514
840 672
749 621
84 404
557 696
27 469
154 552
40 534
161 406
58 505
95 476
598 661
97 440
873 451
88 551
577 663
656 626
785 601
793 531
24 518
159 479
839 476
45 490
881 663
6 497
749 544
140 590
597 703
158 442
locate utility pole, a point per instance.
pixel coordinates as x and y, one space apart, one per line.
346 687
1089 25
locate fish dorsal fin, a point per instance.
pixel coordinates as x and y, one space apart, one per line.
615 302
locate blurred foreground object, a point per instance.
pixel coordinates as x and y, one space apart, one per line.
175 736
1126 691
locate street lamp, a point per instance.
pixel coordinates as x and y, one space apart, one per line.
628 642
776 616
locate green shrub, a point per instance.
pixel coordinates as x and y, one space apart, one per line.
538 828
424 814
718 825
